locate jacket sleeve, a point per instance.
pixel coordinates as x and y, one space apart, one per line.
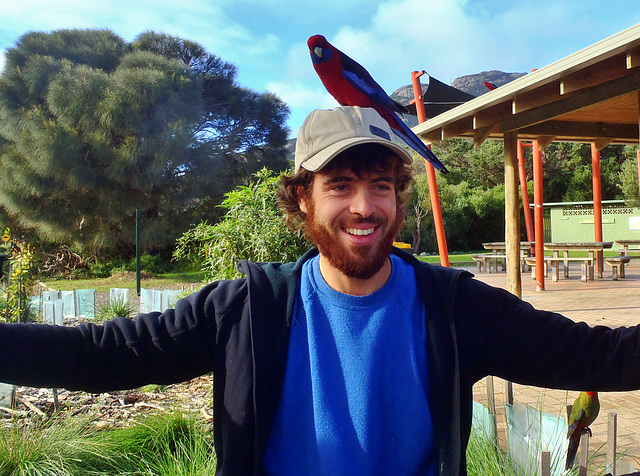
504 336
162 348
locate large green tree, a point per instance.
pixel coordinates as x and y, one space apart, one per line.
93 128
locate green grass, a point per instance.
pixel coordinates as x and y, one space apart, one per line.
114 308
174 444
484 457
127 281
455 258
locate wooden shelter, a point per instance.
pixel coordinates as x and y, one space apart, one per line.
590 96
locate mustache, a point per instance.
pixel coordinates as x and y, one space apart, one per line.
373 220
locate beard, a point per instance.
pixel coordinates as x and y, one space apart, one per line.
354 261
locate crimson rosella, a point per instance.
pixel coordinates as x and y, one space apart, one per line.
583 413
351 85
490 86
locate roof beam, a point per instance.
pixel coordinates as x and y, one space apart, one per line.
583 129
587 97
598 73
536 97
456 128
432 136
633 58
491 116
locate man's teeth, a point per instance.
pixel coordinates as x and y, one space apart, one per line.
358 231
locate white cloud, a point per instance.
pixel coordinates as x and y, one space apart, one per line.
300 95
458 37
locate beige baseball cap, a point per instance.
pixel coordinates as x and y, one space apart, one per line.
327 132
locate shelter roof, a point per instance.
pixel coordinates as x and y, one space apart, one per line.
588 96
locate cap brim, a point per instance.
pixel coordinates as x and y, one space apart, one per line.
322 158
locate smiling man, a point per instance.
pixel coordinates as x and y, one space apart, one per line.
358 359
349 195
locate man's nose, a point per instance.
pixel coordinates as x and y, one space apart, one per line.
362 203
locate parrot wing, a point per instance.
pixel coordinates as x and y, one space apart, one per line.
574 422
360 78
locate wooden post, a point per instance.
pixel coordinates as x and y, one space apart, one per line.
431 175
597 203
545 463
512 213
538 213
509 392
584 453
612 437
491 405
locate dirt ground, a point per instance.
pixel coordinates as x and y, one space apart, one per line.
114 409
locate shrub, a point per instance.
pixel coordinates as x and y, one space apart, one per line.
252 229
114 308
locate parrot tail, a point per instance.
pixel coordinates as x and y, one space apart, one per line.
571 452
416 144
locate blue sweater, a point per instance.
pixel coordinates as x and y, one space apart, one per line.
355 390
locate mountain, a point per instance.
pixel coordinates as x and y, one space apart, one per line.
472 83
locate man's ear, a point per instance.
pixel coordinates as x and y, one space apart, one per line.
301 193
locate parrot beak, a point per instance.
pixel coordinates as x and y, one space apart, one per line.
318 51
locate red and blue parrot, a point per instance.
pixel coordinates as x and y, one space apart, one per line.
583 413
351 85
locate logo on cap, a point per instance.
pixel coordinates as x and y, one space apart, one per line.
379 132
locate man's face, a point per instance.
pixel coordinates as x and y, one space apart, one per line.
352 220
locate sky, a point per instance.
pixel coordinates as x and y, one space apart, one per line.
266 39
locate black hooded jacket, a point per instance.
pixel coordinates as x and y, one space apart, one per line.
239 330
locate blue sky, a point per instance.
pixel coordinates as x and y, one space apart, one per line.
266 39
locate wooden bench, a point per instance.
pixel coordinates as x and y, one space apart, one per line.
617 263
531 262
554 262
483 260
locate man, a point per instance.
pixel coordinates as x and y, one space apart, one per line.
357 359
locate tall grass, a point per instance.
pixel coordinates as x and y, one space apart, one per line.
484 457
117 307
48 447
173 444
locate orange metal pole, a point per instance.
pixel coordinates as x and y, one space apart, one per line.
525 194
538 215
597 202
431 175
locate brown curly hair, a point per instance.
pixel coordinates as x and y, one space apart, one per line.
362 160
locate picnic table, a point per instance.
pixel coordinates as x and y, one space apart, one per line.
626 246
498 249
587 264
